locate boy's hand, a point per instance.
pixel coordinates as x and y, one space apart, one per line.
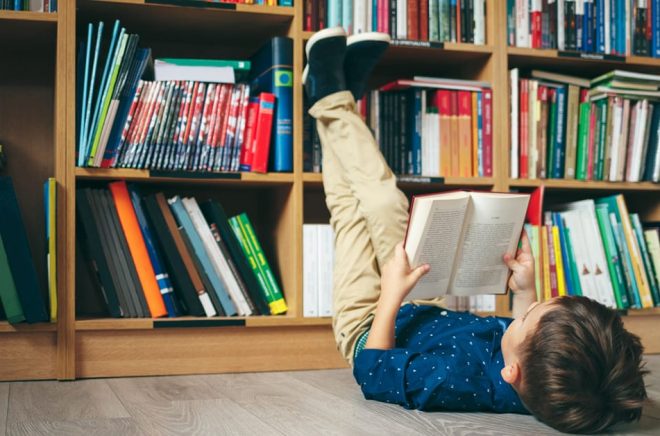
397 278
522 279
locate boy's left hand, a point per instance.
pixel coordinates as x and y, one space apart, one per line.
398 278
522 280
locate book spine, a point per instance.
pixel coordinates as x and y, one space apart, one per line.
552 261
575 276
561 278
560 241
613 260
583 139
646 259
624 254
262 135
488 131
523 137
545 252
477 145
310 271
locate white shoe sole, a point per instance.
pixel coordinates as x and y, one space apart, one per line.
323 34
304 75
368 36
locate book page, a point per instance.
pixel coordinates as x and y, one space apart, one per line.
493 224
441 221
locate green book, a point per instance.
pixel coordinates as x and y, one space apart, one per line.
599 154
613 260
573 270
653 284
583 142
8 294
278 305
434 20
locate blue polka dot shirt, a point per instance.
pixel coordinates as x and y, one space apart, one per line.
443 360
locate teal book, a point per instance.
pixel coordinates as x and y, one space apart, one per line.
434 20
335 14
8 295
197 245
573 269
613 259
629 275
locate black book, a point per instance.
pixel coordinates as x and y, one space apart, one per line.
393 14
215 214
182 282
20 260
90 235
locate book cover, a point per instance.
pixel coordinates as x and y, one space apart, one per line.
273 72
613 260
14 237
488 131
8 295
261 141
50 208
646 259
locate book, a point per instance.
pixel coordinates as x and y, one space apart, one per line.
459 263
272 71
21 263
310 271
50 209
200 70
8 295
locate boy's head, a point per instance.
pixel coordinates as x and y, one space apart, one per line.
574 365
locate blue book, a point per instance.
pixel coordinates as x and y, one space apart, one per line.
285 2
188 228
480 134
21 264
416 132
138 67
162 277
334 13
621 25
272 71
559 146
81 109
568 278
655 29
652 159
600 26
374 15
347 15
587 36
82 146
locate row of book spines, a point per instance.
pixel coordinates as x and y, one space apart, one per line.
632 256
152 282
194 126
441 132
562 134
420 20
318 260
472 303
600 26
29 5
261 2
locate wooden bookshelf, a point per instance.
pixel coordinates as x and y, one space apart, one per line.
37 124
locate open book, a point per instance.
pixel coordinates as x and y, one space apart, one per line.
462 236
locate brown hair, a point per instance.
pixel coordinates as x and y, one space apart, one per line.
582 371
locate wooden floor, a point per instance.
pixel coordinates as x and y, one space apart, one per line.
294 403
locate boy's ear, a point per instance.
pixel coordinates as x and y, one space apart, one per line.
511 374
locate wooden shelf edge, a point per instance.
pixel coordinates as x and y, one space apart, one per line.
109 324
146 175
240 8
585 184
35 17
317 178
554 54
5 327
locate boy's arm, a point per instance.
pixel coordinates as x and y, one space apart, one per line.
522 279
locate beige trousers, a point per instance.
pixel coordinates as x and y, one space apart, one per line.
368 214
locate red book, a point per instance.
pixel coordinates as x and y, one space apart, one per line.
413 20
183 113
239 142
232 124
488 131
455 137
323 15
593 118
263 133
552 260
192 109
524 129
443 103
213 122
464 134
534 214
224 126
140 113
308 15
424 20
536 23
250 129
220 116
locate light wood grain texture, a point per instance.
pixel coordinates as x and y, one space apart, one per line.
83 427
28 16
5 327
27 356
4 406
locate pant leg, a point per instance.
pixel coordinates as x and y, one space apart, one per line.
344 134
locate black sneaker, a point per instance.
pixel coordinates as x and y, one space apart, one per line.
324 72
363 51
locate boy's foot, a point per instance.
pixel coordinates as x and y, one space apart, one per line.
363 51
324 72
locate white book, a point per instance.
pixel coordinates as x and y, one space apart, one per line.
310 271
479 22
325 265
164 71
591 260
37 6
617 125
463 236
561 31
608 45
637 146
220 265
623 141
514 83
402 19
360 16
522 23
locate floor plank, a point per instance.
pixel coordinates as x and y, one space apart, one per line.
4 406
96 427
63 401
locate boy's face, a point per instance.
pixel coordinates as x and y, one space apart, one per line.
515 335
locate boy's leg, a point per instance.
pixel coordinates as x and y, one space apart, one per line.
353 149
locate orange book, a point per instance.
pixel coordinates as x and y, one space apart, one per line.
443 103
475 135
138 248
464 133
455 140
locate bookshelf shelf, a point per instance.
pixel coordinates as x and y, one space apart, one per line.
316 179
26 16
5 327
100 324
559 184
183 177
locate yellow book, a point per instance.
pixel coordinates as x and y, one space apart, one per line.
51 238
535 243
547 289
561 278
475 136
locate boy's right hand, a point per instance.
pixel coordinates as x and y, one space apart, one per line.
522 280
398 278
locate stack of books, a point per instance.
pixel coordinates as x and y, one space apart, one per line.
20 291
155 256
606 27
197 115
597 249
472 303
415 20
318 261
29 5
607 128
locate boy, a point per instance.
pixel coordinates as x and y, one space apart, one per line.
568 361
